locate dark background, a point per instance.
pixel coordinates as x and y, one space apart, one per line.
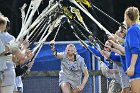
114 8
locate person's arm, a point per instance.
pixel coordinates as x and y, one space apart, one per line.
117 51
111 55
86 75
116 38
133 60
131 69
120 40
95 51
85 79
115 57
120 48
55 53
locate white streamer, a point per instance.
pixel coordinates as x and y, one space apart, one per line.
90 16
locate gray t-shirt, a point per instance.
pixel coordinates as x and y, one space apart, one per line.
5 38
9 71
71 71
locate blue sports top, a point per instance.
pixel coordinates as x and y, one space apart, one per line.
132 46
119 58
97 53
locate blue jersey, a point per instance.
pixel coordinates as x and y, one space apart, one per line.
118 58
132 46
123 62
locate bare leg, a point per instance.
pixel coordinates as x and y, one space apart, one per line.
66 88
74 91
135 88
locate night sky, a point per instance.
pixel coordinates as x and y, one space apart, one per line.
114 8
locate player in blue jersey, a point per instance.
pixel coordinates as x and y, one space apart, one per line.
132 47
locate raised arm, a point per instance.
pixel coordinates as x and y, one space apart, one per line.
95 51
117 48
55 53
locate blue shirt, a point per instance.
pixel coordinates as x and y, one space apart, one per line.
132 46
119 58
97 53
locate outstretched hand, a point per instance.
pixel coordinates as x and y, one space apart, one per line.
52 43
106 54
113 37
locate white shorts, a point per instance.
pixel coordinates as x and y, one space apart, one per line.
130 80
